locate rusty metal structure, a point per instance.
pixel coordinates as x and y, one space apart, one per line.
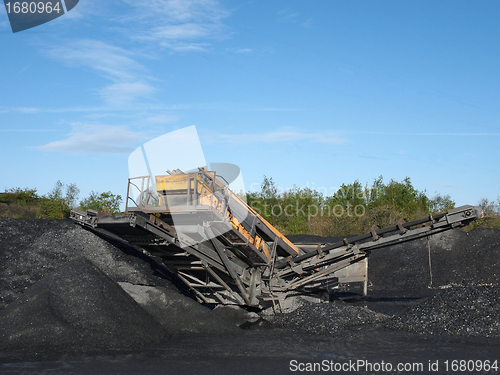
226 253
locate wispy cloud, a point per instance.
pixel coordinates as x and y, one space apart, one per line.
282 136
15 130
244 50
96 139
179 10
113 62
288 15
31 110
274 109
428 134
181 25
446 186
129 77
117 111
161 119
124 92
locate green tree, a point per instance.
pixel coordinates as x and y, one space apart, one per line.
104 202
441 203
19 196
268 200
349 198
71 197
402 196
489 207
58 202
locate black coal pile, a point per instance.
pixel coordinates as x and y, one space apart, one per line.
32 249
432 285
455 258
62 286
327 318
77 307
450 258
459 311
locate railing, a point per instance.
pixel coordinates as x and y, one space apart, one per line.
140 193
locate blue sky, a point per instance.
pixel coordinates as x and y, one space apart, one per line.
315 93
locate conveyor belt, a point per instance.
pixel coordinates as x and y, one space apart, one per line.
226 253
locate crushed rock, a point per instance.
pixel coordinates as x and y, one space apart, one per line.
456 258
458 311
236 314
179 315
327 318
65 287
77 307
32 249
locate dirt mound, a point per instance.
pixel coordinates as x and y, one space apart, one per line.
326 318
77 307
460 311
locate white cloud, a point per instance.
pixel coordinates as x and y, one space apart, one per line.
308 24
283 136
125 92
273 109
244 50
187 47
179 10
446 186
172 23
16 130
161 119
28 110
114 63
116 111
179 32
96 139
288 15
